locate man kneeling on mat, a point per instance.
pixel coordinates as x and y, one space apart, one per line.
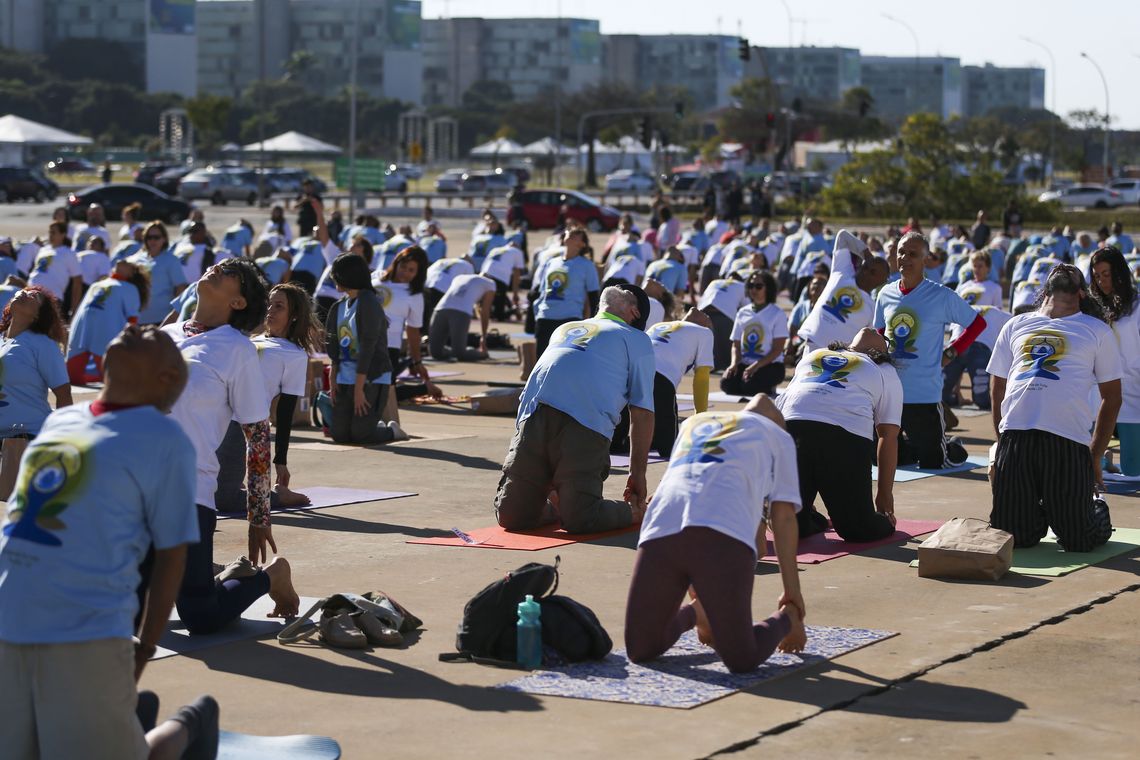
101 483
838 399
701 534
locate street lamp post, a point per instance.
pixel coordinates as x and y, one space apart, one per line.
917 55
1052 104
352 61
1107 112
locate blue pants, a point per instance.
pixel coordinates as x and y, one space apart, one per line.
1129 435
974 362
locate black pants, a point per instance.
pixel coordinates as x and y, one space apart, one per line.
665 420
923 439
1041 481
431 298
543 329
836 464
502 308
722 340
349 427
764 381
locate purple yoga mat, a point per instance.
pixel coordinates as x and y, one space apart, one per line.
622 460
331 496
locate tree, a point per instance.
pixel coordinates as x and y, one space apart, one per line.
301 68
746 121
210 114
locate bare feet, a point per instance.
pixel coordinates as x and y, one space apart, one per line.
289 498
281 591
704 630
796 639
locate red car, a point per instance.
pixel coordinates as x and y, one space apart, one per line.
540 209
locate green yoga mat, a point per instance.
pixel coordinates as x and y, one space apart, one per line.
1048 559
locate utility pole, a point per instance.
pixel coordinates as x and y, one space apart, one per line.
261 199
1052 106
352 111
1107 114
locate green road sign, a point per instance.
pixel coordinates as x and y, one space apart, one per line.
369 174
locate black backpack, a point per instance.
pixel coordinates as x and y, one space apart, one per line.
487 633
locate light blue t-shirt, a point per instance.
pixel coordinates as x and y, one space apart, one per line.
124 250
310 258
31 364
7 268
236 238
481 245
563 287
184 303
673 275
273 268
386 253
591 371
809 244
914 325
94 492
103 313
166 274
435 247
1122 242
699 239
348 340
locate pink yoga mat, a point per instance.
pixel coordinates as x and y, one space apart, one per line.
824 546
530 541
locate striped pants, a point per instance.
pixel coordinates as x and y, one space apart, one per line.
1041 481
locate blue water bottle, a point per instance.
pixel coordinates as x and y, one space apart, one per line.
529 634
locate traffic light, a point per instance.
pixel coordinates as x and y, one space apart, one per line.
745 49
646 132
797 105
770 120
679 110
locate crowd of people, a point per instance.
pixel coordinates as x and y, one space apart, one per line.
200 344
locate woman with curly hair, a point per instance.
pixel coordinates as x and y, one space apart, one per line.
32 334
1112 288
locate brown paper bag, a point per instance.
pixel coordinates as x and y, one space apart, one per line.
497 401
966 548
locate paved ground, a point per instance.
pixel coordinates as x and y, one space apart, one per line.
1025 667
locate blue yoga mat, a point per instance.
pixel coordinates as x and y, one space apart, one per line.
912 472
688 675
234 746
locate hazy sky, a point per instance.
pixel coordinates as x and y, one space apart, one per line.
974 31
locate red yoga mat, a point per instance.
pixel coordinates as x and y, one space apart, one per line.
496 538
824 546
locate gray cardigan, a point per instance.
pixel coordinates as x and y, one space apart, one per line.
371 335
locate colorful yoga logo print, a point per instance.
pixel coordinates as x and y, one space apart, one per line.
43 262
831 368
843 303
346 338
50 473
752 340
1041 355
100 291
662 331
384 293
702 437
971 295
575 335
902 332
557 281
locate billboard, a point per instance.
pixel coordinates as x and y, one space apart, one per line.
404 24
171 16
585 41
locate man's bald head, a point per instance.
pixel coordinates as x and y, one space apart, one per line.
143 366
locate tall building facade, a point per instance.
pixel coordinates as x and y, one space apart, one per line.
706 65
812 74
903 85
533 56
988 87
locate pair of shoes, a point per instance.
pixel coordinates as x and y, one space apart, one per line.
357 630
956 453
201 722
146 710
398 433
239 568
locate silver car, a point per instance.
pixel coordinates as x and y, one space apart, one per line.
220 186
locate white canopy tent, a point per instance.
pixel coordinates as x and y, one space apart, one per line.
547 146
18 136
629 153
500 146
293 143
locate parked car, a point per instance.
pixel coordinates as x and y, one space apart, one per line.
540 209
411 171
688 182
1083 196
288 181
113 198
168 181
1129 190
395 181
450 181
148 171
492 181
630 181
71 166
219 186
18 183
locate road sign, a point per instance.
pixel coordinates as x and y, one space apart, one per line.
416 151
369 174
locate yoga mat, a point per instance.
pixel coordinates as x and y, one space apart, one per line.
824 546
330 496
234 746
495 537
434 375
253 624
686 406
1048 559
720 396
1120 484
912 472
524 336
622 460
969 411
688 675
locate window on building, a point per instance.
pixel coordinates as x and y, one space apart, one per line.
83 13
235 31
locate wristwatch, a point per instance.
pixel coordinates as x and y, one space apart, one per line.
950 353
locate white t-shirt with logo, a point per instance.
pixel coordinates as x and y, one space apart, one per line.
757 328
1049 366
626 267
1127 332
845 389
401 308
284 366
441 273
502 262
464 292
679 347
842 309
54 268
723 468
656 313
976 293
726 296
94 266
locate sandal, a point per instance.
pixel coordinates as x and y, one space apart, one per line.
340 630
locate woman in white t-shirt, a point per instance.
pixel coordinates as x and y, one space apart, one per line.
400 289
981 290
842 402
225 384
702 533
1113 288
759 334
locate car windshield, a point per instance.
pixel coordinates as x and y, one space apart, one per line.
585 199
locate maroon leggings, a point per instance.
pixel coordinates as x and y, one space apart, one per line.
721 570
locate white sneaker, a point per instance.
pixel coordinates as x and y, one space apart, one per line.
398 433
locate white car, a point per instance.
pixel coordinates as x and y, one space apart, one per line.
629 181
450 181
1129 190
411 171
1083 196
